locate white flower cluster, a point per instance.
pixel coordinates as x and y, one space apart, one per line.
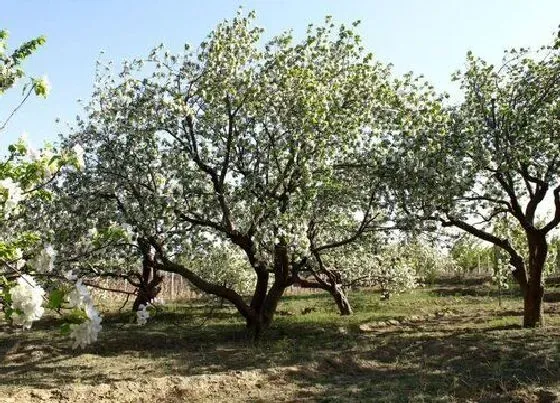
296 237
13 195
129 232
86 332
30 152
44 261
401 277
142 315
27 298
78 150
18 258
42 86
501 274
293 231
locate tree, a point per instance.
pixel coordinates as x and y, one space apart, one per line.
239 143
18 176
25 253
471 256
496 153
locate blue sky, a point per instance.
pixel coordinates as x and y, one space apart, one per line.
426 36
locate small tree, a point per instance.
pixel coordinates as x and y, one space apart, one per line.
471 255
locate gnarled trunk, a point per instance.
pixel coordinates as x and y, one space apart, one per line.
533 315
534 292
148 290
149 282
263 313
341 299
264 303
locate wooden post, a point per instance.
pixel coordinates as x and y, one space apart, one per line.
172 286
479 265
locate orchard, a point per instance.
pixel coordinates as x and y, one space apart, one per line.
325 211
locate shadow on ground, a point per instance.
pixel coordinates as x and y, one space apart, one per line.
448 357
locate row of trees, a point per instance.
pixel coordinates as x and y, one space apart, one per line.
294 158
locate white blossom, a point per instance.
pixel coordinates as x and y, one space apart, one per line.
20 261
92 232
44 261
79 152
43 86
80 296
14 194
27 298
86 332
142 315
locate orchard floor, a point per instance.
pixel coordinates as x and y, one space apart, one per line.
446 343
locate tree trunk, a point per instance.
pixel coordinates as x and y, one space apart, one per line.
254 327
149 282
533 307
147 291
341 299
264 303
263 313
260 312
335 289
534 292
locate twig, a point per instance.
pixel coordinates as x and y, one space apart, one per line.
17 108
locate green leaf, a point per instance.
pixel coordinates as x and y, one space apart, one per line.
65 328
56 298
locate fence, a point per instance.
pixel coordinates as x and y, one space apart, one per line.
174 288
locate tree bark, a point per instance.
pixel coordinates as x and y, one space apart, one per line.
341 300
263 313
149 282
148 290
533 299
533 315
264 304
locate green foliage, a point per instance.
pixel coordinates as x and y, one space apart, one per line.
224 265
112 234
75 316
65 329
56 298
41 87
471 256
11 63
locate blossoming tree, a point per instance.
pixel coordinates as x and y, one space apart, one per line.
240 143
494 154
25 253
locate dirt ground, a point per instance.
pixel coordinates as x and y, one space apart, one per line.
445 345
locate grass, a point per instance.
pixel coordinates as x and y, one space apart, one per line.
444 343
